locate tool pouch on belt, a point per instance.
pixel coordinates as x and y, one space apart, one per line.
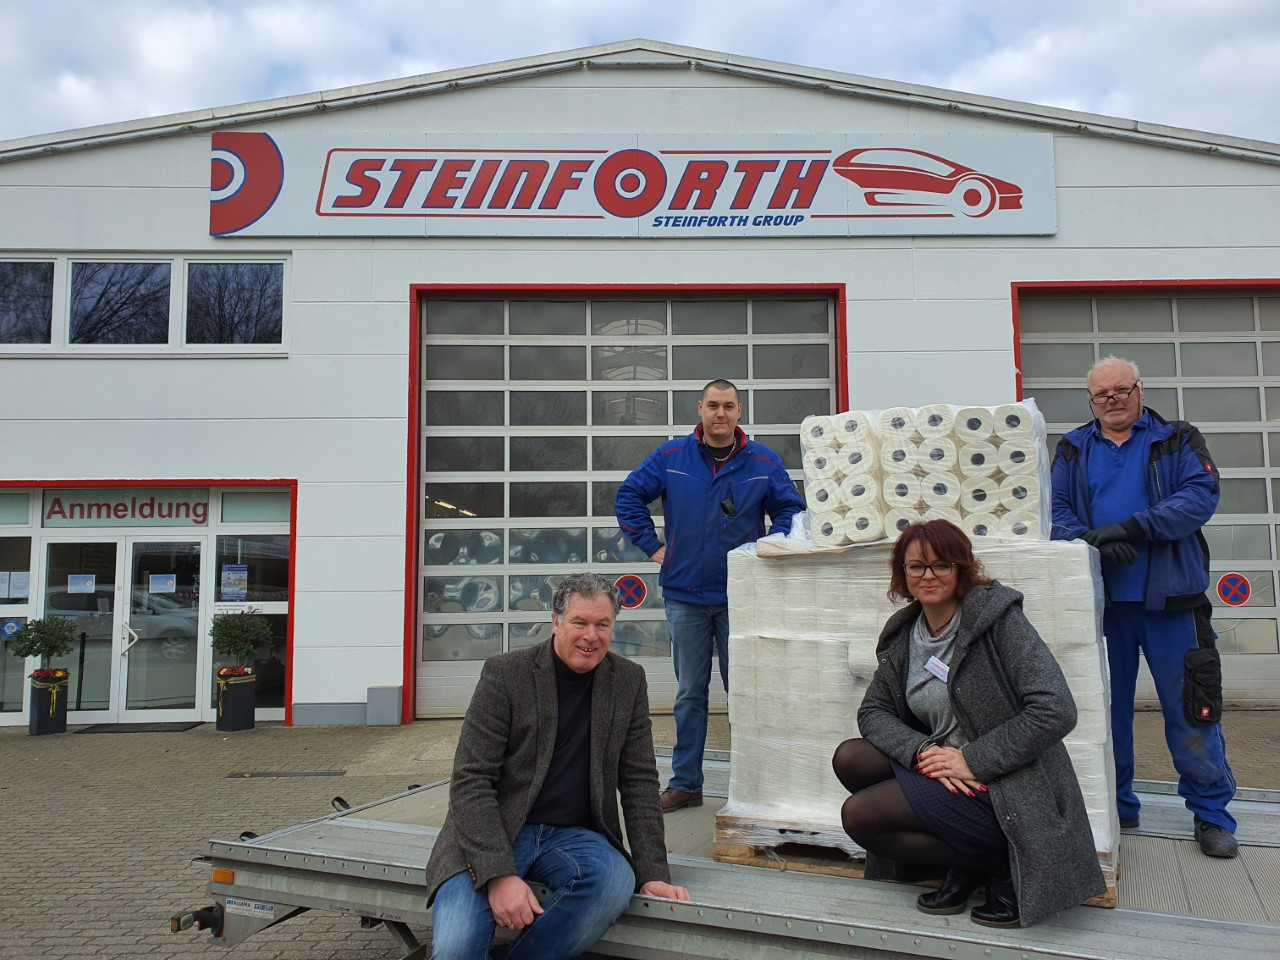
1202 687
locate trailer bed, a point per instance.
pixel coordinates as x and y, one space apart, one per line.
1172 902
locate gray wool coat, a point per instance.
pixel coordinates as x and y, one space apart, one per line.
504 752
1014 708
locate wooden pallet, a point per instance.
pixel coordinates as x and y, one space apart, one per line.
776 846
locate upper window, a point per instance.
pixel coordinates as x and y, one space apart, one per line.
26 302
173 302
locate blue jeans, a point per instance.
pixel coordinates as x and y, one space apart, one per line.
591 884
696 630
1199 752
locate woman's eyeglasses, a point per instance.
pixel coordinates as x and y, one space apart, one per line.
1120 396
917 570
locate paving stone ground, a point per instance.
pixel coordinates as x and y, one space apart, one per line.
97 830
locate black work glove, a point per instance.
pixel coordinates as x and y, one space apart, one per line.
1119 551
1106 534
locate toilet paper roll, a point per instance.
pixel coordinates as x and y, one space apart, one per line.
898 519
936 420
975 423
855 458
859 491
854 427
979 495
1018 456
863 526
1021 524
981 524
1013 422
940 489
900 490
978 459
934 512
897 423
899 456
823 496
1020 492
938 453
818 432
828 529
821 463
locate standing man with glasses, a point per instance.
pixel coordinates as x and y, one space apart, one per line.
1139 488
716 488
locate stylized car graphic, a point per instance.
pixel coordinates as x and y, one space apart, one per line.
898 177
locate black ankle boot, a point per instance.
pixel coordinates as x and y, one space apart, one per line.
952 896
1001 908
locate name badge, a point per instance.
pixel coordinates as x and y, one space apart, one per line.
937 668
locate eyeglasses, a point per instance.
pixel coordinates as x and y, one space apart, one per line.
917 570
1120 396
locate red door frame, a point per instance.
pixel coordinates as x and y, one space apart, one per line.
420 292
291 484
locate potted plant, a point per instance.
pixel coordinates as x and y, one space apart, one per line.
47 638
238 636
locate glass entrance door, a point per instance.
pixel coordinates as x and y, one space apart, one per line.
80 584
161 631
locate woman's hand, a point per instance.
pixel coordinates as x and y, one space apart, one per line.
949 765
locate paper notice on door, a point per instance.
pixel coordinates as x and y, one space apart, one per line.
164 583
81 582
19 585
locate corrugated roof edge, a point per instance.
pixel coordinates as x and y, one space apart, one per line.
671 55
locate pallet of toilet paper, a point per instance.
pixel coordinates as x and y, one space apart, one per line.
803 626
869 473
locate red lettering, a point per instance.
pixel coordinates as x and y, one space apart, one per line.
630 183
449 178
702 177
122 511
567 176
480 184
527 175
358 176
56 509
752 172
802 185
409 171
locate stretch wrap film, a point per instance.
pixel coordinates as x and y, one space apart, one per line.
934 462
803 633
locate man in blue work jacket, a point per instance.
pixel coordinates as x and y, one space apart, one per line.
716 488
1139 488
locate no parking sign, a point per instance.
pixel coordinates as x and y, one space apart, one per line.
1234 589
631 590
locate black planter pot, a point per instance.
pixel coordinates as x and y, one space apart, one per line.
48 707
236 701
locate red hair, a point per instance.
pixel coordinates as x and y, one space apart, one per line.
949 545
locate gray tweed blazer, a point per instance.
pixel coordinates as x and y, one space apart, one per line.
504 752
1014 708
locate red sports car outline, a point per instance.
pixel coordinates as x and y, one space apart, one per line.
910 183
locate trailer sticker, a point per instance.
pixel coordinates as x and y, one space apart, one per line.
248 908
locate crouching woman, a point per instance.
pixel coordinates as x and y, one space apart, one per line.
961 763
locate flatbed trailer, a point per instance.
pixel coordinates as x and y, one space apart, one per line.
1172 903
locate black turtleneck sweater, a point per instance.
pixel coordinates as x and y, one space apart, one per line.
565 798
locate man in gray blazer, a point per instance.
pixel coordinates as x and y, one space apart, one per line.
554 734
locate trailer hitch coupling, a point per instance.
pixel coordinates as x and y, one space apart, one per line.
206 918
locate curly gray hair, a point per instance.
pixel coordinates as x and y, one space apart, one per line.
587 586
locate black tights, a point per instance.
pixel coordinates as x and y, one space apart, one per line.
879 819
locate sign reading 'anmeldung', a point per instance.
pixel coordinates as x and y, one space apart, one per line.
650 186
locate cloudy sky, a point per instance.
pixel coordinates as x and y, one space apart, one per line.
1205 64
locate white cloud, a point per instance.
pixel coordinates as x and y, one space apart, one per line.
1207 64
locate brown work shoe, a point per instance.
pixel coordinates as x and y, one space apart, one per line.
673 799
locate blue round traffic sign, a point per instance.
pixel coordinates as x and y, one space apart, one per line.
1233 589
631 590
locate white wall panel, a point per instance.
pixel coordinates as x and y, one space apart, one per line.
317 450
348 620
957 325
92 218
353 509
917 378
349 564
340 273
342 675
351 329
1096 161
